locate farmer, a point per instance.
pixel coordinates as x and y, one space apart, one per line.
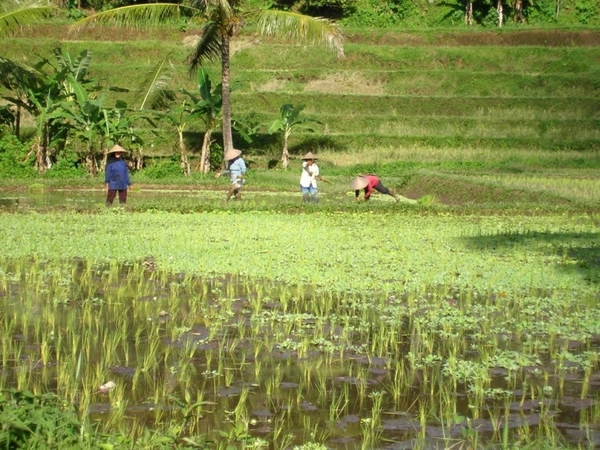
308 178
369 183
236 168
116 175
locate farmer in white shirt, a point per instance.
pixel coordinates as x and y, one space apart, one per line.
309 177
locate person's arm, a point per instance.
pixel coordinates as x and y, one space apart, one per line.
225 171
357 194
107 176
127 179
368 191
242 168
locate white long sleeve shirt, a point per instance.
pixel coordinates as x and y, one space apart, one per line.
309 175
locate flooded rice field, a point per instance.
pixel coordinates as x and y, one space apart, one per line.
233 359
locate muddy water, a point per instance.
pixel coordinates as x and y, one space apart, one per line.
84 198
248 364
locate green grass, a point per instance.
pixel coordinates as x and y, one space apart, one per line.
499 91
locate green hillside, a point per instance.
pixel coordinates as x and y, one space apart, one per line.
414 91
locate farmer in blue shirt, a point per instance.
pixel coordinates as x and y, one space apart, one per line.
236 168
117 175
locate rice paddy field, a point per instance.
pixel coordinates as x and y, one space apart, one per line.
252 325
465 316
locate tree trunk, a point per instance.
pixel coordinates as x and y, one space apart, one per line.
285 156
39 159
226 94
91 164
518 10
557 8
42 159
469 13
18 122
139 162
500 10
204 164
183 161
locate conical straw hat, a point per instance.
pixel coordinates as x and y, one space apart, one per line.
117 149
309 155
231 154
359 183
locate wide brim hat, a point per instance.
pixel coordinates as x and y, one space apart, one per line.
309 155
117 149
231 154
359 182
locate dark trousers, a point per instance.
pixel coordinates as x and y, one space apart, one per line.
381 189
110 196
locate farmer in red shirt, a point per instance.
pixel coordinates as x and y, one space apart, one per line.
369 183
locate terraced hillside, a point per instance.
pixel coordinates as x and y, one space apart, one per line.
394 93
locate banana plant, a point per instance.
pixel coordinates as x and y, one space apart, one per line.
178 118
208 106
290 120
39 94
44 90
96 126
78 68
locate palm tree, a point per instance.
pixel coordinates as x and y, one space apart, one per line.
15 14
223 20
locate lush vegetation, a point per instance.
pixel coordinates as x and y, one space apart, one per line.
360 328
465 316
529 92
405 12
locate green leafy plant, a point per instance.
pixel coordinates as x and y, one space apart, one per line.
209 107
290 120
37 421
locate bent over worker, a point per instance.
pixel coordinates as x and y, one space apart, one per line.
369 183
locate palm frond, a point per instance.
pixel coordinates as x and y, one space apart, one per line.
224 9
298 27
208 49
135 15
15 15
155 85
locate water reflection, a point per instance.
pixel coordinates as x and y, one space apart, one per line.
24 200
281 360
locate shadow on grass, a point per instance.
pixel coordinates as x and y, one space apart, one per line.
578 253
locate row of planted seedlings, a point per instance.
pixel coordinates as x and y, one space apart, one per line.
233 359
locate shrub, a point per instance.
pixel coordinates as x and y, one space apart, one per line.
37 421
15 161
161 169
67 166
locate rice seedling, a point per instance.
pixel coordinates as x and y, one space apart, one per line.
340 346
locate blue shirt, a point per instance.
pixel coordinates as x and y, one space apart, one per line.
117 175
236 167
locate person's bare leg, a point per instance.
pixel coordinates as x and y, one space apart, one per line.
230 192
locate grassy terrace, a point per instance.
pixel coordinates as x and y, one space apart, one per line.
443 90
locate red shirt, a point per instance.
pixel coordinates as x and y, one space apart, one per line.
373 181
